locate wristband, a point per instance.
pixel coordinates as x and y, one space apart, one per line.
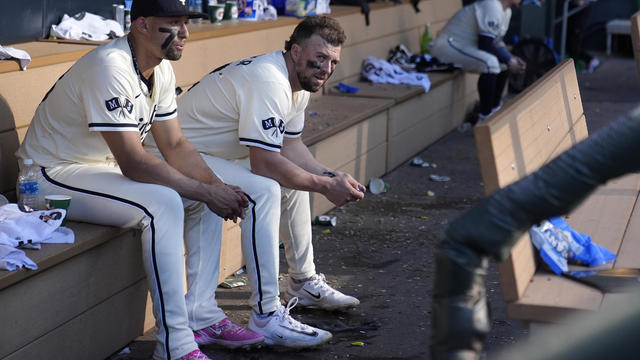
329 173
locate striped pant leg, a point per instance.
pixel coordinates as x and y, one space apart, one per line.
295 231
259 229
470 58
102 195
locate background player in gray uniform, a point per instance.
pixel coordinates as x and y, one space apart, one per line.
246 118
472 39
87 137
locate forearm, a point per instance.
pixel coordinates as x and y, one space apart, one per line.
289 174
488 44
298 153
185 158
150 169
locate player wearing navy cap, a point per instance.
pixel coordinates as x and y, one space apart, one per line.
246 118
87 136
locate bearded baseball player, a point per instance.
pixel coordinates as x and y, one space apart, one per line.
87 137
246 118
472 39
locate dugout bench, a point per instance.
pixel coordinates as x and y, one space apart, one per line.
96 287
526 133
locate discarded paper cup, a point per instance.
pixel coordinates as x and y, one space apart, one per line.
378 186
325 220
58 202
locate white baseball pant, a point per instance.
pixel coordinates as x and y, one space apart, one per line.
469 57
102 195
270 205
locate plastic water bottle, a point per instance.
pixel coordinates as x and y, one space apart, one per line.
425 40
28 189
196 6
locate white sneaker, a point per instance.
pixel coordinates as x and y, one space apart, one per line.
281 329
315 292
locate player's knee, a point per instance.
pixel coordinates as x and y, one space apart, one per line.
270 190
167 203
493 65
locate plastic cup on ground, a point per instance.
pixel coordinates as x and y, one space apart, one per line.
378 186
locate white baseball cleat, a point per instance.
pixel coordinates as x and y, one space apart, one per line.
281 329
315 292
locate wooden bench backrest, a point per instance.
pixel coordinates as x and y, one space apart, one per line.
536 126
635 38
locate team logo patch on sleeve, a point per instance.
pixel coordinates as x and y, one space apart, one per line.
117 103
281 126
276 124
269 123
113 104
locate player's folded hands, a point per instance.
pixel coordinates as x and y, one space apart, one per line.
227 201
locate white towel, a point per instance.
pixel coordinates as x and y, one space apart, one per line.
14 259
21 228
12 53
86 26
382 72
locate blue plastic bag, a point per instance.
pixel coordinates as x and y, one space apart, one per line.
559 245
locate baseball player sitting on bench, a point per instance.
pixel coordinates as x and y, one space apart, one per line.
87 137
246 118
472 39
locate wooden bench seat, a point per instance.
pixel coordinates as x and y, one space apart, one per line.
95 287
526 133
418 119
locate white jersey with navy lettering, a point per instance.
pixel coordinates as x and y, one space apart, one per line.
101 92
244 103
484 17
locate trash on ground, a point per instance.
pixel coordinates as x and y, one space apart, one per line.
357 343
434 165
439 178
378 186
431 193
417 161
325 220
233 283
424 217
326 231
313 113
464 127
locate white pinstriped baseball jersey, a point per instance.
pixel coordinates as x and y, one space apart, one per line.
245 103
101 92
484 17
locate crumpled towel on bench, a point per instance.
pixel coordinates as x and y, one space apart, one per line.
20 228
382 72
559 244
86 26
10 53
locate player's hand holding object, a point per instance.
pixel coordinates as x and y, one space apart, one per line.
343 188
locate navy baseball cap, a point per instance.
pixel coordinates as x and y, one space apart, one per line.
164 8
